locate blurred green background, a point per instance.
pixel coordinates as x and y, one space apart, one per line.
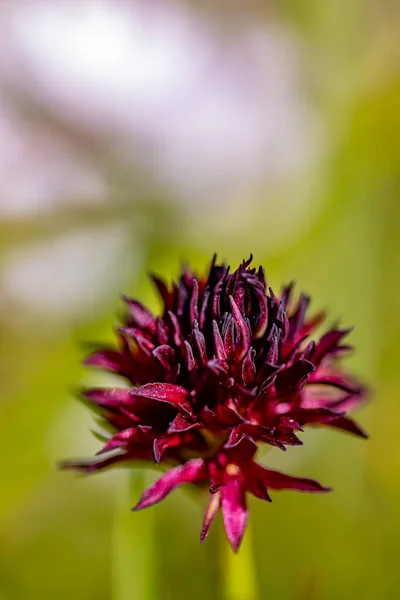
136 136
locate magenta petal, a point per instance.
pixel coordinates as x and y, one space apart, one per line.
188 356
328 344
138 453
243 341
125 437
110 360
347 424
165 355
164 392
141 316
334 381
200 344
190 472
234 511
212 509
279 481
218 343
109 397
193 307
160 445
180 424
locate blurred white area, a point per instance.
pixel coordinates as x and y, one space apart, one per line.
212 116
206 112
40 171
62 279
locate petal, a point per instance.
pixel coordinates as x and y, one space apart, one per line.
109 397
347 424
141 316
200 343
138 453
165 355
234 510
140 339
214 504
160 445
328 343
188 356
279 481
291 379
296 321
126 437
162 289
203 309
190 472
180 424
194 299
249 368
176 328
163 392
315 416
274 337
218 343
110 360
243 341
334 381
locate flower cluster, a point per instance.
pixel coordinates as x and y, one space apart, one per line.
227 366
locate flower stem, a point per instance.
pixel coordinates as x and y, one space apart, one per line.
239 570
134 547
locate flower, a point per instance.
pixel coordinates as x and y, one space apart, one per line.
227 366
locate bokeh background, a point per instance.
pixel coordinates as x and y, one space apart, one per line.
135 136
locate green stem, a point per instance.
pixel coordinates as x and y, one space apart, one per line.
239 570
133 554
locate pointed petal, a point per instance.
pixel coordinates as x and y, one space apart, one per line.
292 379
177 332
193 308
279 481
234 510
335 381
165 355
162 444
243 341
138 453
109 397
296 321
162 331
200 343
347 424
212 509
218 343
203 309
110 360
249 368
162 289
164 392
274 337
257 286
141 316
328 343
190 472
126 437
180 424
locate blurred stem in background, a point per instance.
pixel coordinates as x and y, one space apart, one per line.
133 550
239 570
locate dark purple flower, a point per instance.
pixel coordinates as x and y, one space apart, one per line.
227 366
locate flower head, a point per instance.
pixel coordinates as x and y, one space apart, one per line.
227 367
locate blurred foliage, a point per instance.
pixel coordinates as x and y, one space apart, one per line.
56 530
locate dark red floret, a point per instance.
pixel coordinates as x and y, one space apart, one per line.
227 366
